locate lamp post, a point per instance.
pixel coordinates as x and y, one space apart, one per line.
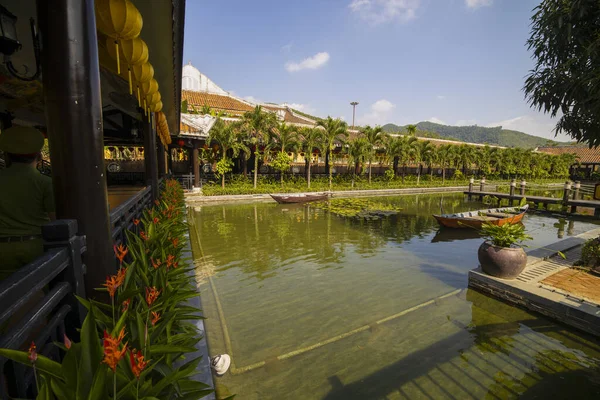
353 104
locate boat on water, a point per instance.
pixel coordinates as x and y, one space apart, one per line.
299 198
474 219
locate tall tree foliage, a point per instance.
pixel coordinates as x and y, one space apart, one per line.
311 138
335 130
566 47
226 135
374 137
285 137
258 124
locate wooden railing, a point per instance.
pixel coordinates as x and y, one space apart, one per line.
38 304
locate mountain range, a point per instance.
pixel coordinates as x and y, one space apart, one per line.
475 134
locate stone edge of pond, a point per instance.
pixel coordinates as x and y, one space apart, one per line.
203 372
197 198
527 292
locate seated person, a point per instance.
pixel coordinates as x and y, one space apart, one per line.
26 199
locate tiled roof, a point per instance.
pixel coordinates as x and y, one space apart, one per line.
289 116
217 102
584 155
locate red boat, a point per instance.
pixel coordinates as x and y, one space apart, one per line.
474 219
299 198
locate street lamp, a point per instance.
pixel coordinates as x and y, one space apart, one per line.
353 104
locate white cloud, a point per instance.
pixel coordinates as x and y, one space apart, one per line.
440 97
466 122
379 113
286 48
537 125
478 3
253 100
378 12
301 107
314 62
436 120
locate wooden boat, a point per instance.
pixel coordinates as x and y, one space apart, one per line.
299 198
474 219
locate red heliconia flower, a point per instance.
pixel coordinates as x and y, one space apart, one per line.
176 264
155 263
155 220
66 341
32 353
155 317
125 304
112 354
151 295
175 241
121 274
170 260
143 235
137 363
136 221
111 284
156 202
120 252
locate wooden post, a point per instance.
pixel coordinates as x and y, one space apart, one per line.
513 184
577 186
481 187
162 160
150 164
566 195
73 109
523 184
471 182
169 161
196 165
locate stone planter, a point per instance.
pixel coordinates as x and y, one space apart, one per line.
501 262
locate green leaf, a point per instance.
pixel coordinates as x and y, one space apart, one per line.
120 323
44 393
42 364
98 389
61 390
170 349
91 355
141 330
198 394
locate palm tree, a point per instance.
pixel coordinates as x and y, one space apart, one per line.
335 130
430 157
445 156
404 151
286 138
226 135
359 149
311 139
258 124
421 152
374 137
411 130
393 150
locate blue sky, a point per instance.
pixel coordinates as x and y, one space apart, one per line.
458 62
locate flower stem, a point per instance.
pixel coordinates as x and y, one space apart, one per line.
112 300
115 384
37 385
137 390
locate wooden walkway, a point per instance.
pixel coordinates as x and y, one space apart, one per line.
569 200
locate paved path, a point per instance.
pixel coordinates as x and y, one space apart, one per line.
529 291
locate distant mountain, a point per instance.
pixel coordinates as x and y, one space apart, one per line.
475 134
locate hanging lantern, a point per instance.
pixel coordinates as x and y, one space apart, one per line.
150 101
149 87
120 20
142 73
133 52
181 142
156 107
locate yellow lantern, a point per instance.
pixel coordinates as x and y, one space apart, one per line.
149 87
142 73
152 99
156 107
134 52
119 20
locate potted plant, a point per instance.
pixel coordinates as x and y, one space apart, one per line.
502 254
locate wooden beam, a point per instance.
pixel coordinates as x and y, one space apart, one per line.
71 82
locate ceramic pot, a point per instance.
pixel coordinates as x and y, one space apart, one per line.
501 262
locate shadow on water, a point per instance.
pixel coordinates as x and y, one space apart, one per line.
522 356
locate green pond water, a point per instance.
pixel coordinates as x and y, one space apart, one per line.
314 306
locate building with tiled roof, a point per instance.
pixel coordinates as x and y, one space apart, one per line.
219 103
584 154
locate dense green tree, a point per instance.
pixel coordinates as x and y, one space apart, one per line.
359 150
421 152
226 135
286 138
258 124
374 137
311 138
411 130
334 130
566 48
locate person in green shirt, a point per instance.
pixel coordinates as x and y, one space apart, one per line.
26 199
